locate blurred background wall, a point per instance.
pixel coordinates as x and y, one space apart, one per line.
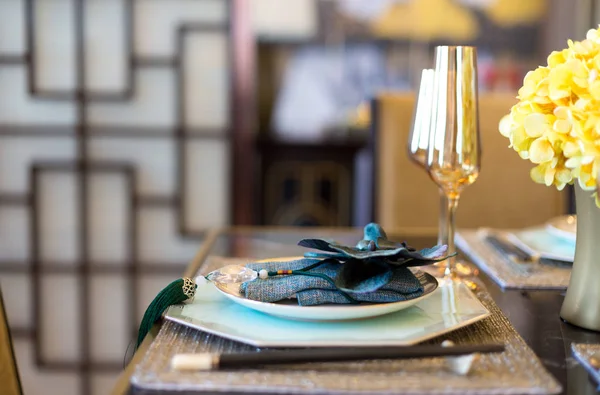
130 127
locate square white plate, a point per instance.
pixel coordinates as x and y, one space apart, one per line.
450 307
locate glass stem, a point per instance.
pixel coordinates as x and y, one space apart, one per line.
451 227
443 220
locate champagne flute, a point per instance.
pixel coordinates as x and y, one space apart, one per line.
454 150
418 140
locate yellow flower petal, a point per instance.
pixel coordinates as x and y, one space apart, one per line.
562 112
593 35
564 175
557 92
595 90
535 125
505 126
581 104
573 163
556 58
570 149
586 185
562 126
596 63
549 176
538 174
577 68
586 160
583 48
593 74
541 151
542 92
542 100
519 139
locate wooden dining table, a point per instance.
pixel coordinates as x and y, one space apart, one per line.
533 313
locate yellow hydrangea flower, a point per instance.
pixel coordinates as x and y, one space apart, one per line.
556 123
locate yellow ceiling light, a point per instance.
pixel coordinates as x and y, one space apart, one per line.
508 13
426 20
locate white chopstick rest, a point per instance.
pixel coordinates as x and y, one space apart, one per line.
460 365
193 362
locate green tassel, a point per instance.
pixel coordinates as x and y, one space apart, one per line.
177 292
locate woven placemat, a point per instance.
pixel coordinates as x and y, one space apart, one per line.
515 371
584 353
506 273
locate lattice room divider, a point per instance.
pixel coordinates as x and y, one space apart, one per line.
115 156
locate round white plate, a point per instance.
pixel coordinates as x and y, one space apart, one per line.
290 309
564 226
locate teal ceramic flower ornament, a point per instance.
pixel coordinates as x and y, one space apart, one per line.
370 264
375 247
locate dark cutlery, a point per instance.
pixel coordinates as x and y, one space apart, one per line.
511 251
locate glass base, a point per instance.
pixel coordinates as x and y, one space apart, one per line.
459 270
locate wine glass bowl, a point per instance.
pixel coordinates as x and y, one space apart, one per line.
453 179
418 147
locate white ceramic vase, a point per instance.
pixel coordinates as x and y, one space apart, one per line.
581 306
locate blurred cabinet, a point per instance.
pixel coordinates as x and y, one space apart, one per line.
309 183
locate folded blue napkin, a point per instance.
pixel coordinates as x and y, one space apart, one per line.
311 291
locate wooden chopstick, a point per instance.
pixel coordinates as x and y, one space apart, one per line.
207 361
